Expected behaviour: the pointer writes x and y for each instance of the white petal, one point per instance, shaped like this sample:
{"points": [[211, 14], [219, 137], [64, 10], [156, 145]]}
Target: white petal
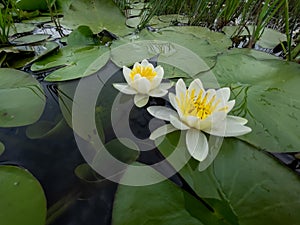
{"points": [[230, 105], [232, 126], [158, 92], [159, 70], [136, 64], [163, 130], [156, 81], [140, 100], [173, 101], [141, 84], [161, 112], [175, 121], [192, 121], [197, 145], [180, 87], [126, 73], [165, 86], [224, 94], [196, 84], [145, 63], [124, 88], [237, 119], [210, 93]]}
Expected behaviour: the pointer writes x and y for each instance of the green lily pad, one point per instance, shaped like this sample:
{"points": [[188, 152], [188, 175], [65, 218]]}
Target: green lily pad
{"points": [[180, 207], [102, 14], [22, 28], [2, 148], [190, 49], [269, 39], [164, 21], [30, 39], [75, 60], [22, 198], [257, 188], [24, 55], [266, 93], [32, 5], [22, 99], [133, 22], [82, 35]]}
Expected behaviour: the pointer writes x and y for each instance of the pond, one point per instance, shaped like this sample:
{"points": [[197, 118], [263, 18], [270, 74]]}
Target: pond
{"points": [[163, 124]]}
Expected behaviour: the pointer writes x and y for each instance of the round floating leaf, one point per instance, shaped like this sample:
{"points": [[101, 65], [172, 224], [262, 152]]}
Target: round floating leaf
{"points": [[179, 206], [32, 5], [257, 188], [22, 99], [23, 28], [30, 39], [191, 50], [97, 16], [269, 39], [82, 35], [267, 94], [133, 22], [74, 60], [2, 148], [27, 54], [22, 198]]}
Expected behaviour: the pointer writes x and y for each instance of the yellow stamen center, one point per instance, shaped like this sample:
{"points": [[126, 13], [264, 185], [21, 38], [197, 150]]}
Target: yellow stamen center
{"points": [[198, 105], [147, 72]]}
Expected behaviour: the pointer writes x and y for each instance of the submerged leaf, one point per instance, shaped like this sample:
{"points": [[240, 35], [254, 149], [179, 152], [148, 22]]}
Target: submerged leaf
{"points": [[2, 148]]}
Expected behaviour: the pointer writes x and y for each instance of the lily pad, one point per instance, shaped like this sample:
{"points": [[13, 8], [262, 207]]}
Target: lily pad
{"points": [[24, 55], [30, 39], [22, 99], [250, 181], [180, 207], [32, 5], [101, 14], [174, 47], [82, 35], [266, 93], [22, 28], [133, 22], [22, 198], [269, 39], [75, 61]]}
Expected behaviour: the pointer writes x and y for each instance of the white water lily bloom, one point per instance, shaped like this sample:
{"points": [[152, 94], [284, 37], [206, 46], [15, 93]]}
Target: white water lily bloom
{"points": [[143, 81], [198, 111]]}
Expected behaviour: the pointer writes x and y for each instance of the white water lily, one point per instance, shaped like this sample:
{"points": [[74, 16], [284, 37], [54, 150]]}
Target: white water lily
{"points": [[198, 111], [143, 81]]}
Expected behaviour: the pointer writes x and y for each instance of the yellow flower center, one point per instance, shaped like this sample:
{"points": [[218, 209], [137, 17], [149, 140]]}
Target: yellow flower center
{"points": [[199, 106], [147, 72]]}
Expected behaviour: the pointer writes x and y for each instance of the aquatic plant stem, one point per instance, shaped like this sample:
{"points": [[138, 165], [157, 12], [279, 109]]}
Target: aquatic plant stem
{"points": [[58, 208]]}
